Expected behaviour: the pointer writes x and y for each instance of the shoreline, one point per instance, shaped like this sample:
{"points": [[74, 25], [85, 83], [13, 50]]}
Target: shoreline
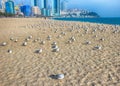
{"points": [[101, 20], [81, 21]]}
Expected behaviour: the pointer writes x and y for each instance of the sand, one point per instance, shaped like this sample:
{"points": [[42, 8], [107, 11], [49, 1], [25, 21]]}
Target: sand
{"points": [[81, 63]]}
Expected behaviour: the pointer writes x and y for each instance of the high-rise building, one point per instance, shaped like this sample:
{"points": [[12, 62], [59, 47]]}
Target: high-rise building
{"points": [[46, 4], [0, 6], [55, 7], [63, 5], [43, 4], [45, 12], [36, 2], [26, 9], [32, 3], [48, 12], [3, 5], [35, 10], [9, 7], [40, 3]]}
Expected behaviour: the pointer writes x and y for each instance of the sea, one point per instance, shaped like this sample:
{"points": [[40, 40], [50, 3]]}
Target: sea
{"points": [[112, 21]]}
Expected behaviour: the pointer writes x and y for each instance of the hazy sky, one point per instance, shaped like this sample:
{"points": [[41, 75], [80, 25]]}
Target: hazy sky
{"points": [[105, 8]]}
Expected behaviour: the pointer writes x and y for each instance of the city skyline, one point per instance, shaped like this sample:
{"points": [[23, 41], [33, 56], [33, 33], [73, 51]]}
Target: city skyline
{"points": [[105, 8]]}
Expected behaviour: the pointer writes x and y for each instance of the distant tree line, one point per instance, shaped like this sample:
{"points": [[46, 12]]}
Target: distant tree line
{"points": [[6, 14]]}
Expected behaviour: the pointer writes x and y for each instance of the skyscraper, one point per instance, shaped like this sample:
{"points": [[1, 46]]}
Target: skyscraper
{"points": [[32, 2], [0, 6], [45, 4], [26, 9], [41, 4], [35, 7], [45, 11], [35, 10], [9, 7], [3, 5], [55, 7], [63, 5], [36, 2]]}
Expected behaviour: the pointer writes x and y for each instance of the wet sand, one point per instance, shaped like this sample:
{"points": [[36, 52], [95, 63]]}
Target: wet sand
{"points": [[82, 63]]}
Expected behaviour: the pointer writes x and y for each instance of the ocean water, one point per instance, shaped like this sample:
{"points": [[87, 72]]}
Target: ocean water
{"points": [[113, 21]]}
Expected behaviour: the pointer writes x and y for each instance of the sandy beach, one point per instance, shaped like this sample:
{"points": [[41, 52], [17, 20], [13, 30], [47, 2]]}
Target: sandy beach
{"points": [[88, 55]]}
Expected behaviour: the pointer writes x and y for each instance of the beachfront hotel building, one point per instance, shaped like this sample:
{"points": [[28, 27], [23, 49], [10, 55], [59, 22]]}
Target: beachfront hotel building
{"points": [[55, 7], [9, 7]]}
